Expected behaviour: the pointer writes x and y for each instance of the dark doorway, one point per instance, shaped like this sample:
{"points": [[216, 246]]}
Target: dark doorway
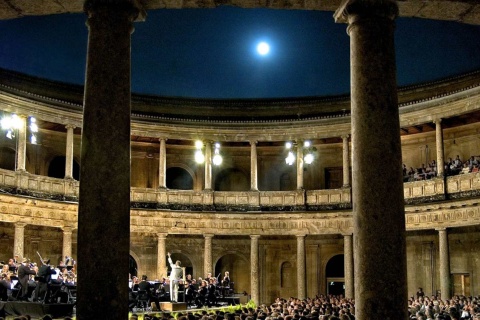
{"points": [[335, 273], [179, 179]]}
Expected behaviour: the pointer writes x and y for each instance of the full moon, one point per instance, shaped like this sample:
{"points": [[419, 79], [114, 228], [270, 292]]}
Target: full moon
{"points": [[263, 48]]}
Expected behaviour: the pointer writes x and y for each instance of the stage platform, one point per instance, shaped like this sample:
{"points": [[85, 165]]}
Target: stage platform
{"points": [[173, 306], [35, 309]]}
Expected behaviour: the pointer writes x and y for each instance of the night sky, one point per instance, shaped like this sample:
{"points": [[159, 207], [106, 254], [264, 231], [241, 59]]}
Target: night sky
{"points": [[211, 53]]}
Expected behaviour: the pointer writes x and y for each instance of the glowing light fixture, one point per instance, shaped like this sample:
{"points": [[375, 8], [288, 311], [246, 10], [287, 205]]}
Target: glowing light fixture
{"points": [[11, 123], [290, 159], [199, 156], [308, 151], [217, 157]]}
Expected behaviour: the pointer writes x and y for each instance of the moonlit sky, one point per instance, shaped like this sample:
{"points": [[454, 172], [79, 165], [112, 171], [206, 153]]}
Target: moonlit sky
{"points": [[211, 53]]}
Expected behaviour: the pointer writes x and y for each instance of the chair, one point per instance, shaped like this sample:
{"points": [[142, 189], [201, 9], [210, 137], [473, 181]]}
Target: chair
{"points": [[143, 300]]}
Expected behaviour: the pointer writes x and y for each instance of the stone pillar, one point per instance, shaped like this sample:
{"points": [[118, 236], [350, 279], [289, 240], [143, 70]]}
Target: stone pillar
{"points": [[301, 271], [208, 166], [19, 239], [300, 165], [444, 263], [378, 204], [254, 282], [22, 144], [104, 199], [207, 263], [162, 165], [439, 144], [346, 162], [69, 152], [162, 256], [253, 166], [348, 255], [67, 242]]}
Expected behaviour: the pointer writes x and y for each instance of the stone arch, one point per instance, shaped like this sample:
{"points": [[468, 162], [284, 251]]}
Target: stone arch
{"points": [[178, 178], [236, 264], [185, 259], [232, 179], [56, 167], [7, 158], [335, 274], [137, 260]]}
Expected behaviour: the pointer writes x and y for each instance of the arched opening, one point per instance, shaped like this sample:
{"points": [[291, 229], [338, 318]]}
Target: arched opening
{"points": [[287, 182], [286, 275], [238, 269], [185, 263], [56, 169], [335, 273], [7, 158], [132, 266], [179, 178], [231, 179]]}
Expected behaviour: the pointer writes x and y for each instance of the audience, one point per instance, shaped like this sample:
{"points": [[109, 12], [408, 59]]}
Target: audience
{"points": [[452, 167]]}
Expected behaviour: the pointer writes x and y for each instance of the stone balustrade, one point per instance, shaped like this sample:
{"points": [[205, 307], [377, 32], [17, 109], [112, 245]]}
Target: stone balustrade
{"points": [[424, 191]]}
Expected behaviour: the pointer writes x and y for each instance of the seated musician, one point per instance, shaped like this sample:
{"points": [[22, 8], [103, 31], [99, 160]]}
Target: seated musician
{"points": [[144, 285], [202, 293], [5, 287], [190, 292]]}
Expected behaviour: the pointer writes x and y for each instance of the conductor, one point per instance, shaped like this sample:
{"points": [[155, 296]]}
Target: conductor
{"points": [[175, 276]]}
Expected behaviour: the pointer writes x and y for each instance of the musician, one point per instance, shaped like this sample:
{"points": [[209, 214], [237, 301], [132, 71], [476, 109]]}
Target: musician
{"points": [[212, 290], [12, 266], [5, 287], [202, 293], [175, 276], [226, 279], [24, 272], [144, 285], [190, 292], [44, 275]]}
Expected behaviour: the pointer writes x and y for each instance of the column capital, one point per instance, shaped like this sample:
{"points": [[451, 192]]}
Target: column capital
{"points": [[254, 236], [163, 138], [137, 11], [345, 136], [162, 236], [67, 229], [437, 121], [300, 235], [441, 229], [20, 224], [346, 234], [208, 235], [70, 126], [384, 9], [253, 142]]}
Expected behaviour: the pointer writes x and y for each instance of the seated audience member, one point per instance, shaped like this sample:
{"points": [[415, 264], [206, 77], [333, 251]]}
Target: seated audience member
{"points": [[465, 169]]}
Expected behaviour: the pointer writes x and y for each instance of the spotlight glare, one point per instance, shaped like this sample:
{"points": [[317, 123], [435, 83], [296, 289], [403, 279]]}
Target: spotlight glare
{"points": [[199, 157], [198, 144], [263, 48], [288, 145], [307, 143], [290, 159], [308, 158]]}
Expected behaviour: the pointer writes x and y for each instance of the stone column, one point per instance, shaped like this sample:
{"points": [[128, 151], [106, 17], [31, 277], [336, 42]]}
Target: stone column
{"points": [[253, 166], [162, 256], [22, 144], [67, 242], [444, 263], [348, 255], [254, 283], [69, 152], [301, 271], [162, 165], [104, 199], [207, 263], [346, 162], [208, 166], [19, 239], [378, 204], [300, 165], [439, 144]]}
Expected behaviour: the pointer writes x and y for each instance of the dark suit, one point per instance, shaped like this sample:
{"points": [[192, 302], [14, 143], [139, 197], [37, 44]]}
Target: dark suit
{"points": [[148, 287], [4, 288], [23, 274], [44, 276]]}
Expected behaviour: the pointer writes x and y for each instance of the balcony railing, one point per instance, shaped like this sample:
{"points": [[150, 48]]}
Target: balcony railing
{"points": [[26, 184]]}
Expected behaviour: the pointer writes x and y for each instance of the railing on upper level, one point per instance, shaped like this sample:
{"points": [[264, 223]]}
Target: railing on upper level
{"points": [[437, 189]]}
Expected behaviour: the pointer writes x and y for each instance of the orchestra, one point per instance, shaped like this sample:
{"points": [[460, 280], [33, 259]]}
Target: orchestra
{"points": [[23, 280]]}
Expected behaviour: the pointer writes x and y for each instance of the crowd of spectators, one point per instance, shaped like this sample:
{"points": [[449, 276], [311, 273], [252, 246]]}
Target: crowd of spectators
{"points": [[322, 307], [335, 308], [452, 167]]}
